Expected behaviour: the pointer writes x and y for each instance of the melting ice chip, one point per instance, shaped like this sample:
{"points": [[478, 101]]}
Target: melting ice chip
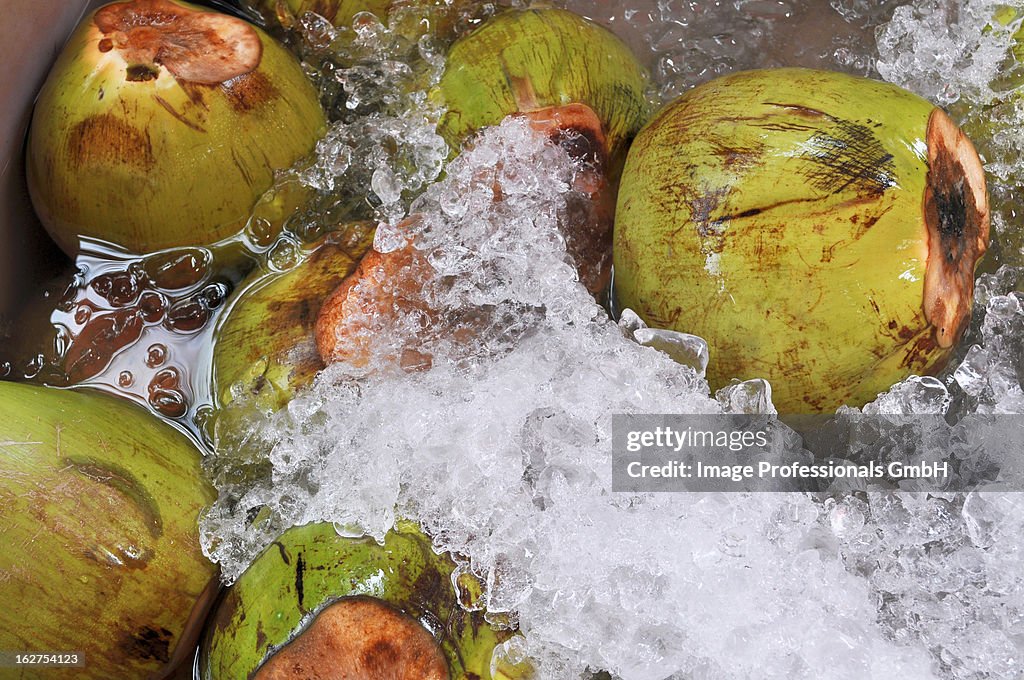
{"points": [[750, 396], [386, 185], [970, 375], [683, 348], [985, 516], [847, 516], [915, 395], [630, 322]]}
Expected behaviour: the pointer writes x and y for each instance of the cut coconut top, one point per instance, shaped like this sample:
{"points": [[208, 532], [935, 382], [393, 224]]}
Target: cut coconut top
{"points": [[574, 127], [194, 45], [359, 638], [956, 214]]}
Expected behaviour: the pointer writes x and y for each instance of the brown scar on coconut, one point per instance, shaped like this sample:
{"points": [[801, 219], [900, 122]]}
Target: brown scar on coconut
{"points": [[956, 214], [359, 638], [194, 46]]}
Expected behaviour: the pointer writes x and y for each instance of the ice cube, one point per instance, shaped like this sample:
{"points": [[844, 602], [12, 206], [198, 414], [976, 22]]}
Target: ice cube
{"points": [[683, 348], [749, 396], [630, 323]]}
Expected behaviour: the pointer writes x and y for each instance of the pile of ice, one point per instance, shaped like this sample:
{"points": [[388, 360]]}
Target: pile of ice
{"points": [[501, 448], [505, 458], [947, 569], [945, 50], [990, 375], [381, 148]]}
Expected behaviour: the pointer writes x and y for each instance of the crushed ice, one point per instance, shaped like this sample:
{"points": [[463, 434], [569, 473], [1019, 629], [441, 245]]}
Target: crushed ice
{"points": [[687, 42], [505, 458], [502, 450], [381, 148]]}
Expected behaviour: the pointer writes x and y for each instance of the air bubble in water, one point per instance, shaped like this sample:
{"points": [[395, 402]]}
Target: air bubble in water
{"points": [[156, 355]]}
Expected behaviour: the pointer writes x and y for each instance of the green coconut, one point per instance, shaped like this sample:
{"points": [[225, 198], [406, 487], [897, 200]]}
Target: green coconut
{"points": [[523, 61], [817, 229], [571, 80], [100, 553], [316, 605], [161, 124]]}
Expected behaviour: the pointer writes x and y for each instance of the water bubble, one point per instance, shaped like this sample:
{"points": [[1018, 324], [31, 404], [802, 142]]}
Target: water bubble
{"points": [[177, 269], [62, 339], [285, 255], [214, 295], [83, 314], [153, 306], [156, 355], [33, 366], [165, 394], [260, 231], [169, 403], [120, 289], [187, 316]]}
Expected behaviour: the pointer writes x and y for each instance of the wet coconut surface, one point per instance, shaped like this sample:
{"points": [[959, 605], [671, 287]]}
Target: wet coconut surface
{"points": [[143, 327]]}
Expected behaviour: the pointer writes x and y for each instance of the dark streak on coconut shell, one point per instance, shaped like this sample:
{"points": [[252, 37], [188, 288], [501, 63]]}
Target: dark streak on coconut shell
{"points": [[107, 139], [849, 156], [248, 92]]}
